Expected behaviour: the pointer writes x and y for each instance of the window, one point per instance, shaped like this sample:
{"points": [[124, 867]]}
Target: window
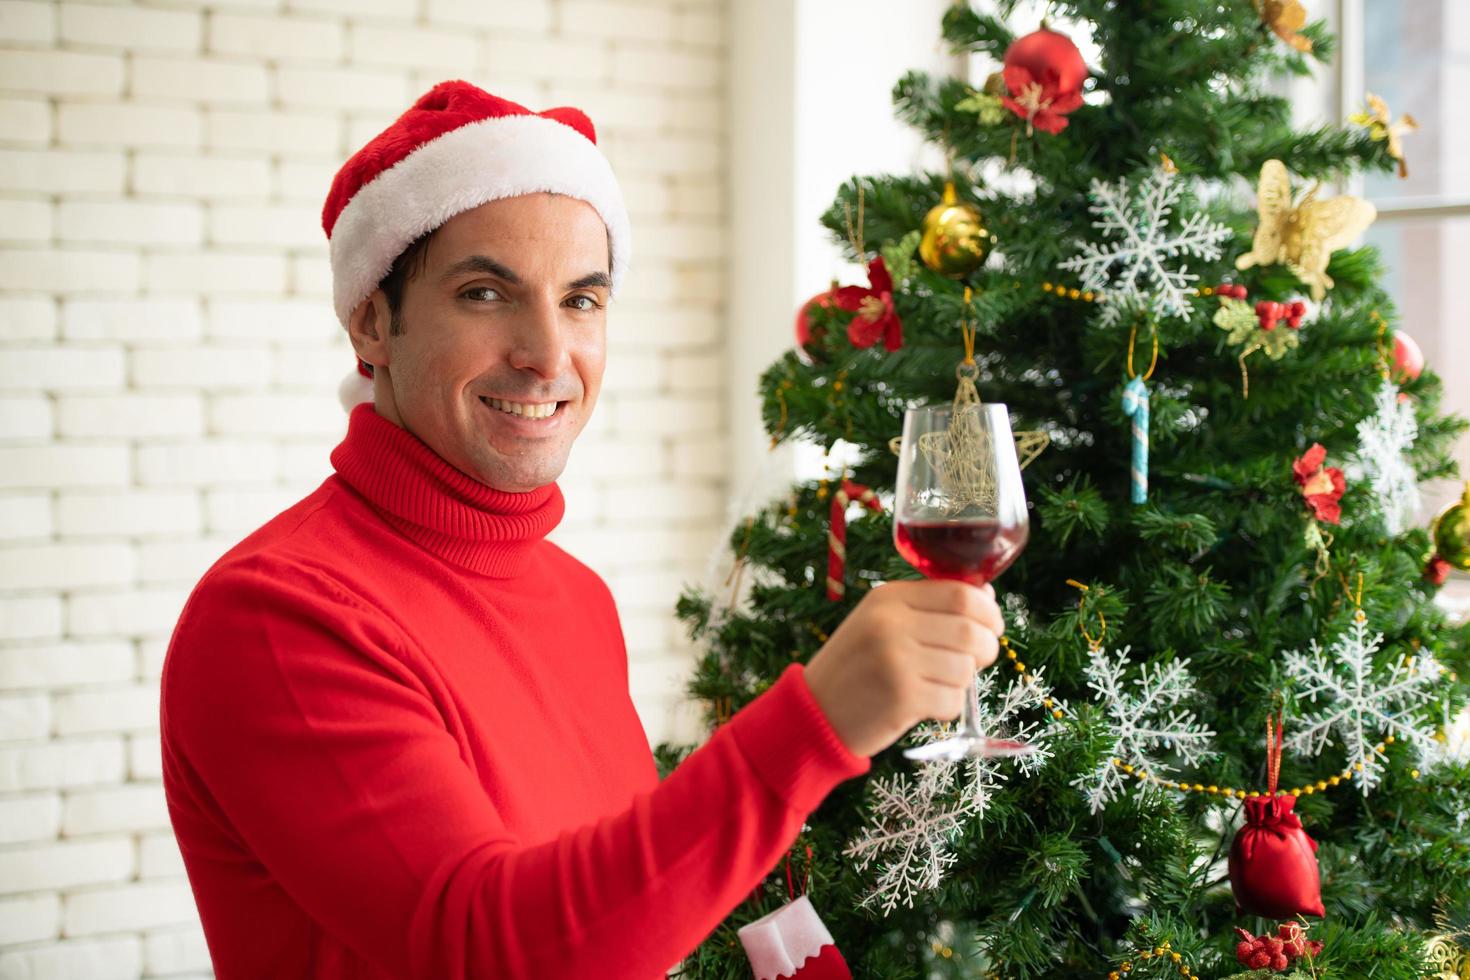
{"points": [[1415, 54]]}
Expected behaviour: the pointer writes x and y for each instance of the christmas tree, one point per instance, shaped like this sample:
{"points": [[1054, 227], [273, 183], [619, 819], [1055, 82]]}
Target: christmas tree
{"points": [[1222, 625]]}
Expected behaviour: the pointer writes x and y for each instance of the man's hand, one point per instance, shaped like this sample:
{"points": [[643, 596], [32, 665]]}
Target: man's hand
{"points": [[904, 655]]}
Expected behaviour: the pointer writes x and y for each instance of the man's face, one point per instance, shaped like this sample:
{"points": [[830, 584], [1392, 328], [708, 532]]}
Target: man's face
{"points": [[507, 315]]}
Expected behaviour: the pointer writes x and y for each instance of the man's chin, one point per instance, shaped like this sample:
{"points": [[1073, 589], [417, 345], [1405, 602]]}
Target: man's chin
{"points": [[517, 479]]}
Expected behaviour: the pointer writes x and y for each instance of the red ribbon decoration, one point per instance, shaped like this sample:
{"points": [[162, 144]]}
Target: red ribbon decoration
{"points": [[790, 890]]}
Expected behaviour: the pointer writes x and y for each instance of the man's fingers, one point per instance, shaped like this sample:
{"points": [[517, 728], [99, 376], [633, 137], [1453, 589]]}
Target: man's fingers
{"points": [[956, 599], [959, 634], [945, 668]]}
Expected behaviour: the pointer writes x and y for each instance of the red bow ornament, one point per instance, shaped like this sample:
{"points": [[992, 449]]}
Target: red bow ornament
{"points": [[1044, 73], [876, 316], [1322, 487]]}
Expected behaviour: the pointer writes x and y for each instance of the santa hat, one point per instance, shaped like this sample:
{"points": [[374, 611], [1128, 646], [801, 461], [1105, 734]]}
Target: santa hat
{"points": [[456, 148]]}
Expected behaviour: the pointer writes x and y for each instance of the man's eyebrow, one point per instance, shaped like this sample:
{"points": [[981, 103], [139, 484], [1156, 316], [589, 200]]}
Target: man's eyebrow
{"points": [[592, 279], [482, 263]]}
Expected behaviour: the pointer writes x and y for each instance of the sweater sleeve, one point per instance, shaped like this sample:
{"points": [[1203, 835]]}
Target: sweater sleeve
{"points": [[299, 711]]}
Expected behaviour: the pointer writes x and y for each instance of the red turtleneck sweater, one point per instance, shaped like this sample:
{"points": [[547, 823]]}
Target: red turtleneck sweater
{"points": [[397, 742]]}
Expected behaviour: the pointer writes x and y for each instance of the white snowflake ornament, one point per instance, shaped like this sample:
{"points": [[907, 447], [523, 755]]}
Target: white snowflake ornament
{"points": [[1362, 701], [1144, 717], [1384, 441], [917, 818], [1135, 267]]}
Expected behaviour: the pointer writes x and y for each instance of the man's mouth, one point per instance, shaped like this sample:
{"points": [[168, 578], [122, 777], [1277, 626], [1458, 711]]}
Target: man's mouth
{"points": [[528, 410]]}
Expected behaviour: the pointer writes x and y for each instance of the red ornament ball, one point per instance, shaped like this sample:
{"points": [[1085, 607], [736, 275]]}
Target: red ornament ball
{"points": [[808, 336], [1044, 73], [1408, 359]]}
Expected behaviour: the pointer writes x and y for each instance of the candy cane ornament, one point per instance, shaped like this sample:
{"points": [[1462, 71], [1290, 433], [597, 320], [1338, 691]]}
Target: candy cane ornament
{"points": [[837, 533], [1135, 407]]}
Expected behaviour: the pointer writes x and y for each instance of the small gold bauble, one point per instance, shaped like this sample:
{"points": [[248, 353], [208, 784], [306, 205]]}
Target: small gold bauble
{"points": [[1449, 960], [954, 240], [1451, 532]]}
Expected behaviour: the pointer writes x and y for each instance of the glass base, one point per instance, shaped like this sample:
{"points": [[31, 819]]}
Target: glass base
{"points": [[968, 746]]}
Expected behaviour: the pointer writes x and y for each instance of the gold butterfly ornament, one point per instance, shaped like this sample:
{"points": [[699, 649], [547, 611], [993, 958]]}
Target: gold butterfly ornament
{"points": [[1302, 236], [1285, 18], [1383, 127]]}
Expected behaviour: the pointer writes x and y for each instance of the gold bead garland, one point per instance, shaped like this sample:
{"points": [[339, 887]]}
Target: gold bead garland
{"points": [[1064, 292], [1308, 789], [946, 951], [1028, 679], [1088, 296]]}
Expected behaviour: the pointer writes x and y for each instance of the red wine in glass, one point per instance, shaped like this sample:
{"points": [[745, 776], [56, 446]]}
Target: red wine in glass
{"points": [[973, 551], [960, 513]]}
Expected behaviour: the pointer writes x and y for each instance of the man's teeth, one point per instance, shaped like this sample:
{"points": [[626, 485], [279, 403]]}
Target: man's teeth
{"points": [[525, 409]]}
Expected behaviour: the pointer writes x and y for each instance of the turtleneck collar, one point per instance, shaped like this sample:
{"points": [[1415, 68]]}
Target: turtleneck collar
{"points": [[437, 506]]}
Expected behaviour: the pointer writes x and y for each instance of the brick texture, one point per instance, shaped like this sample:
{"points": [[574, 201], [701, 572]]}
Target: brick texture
{"points": [[169, 362]]}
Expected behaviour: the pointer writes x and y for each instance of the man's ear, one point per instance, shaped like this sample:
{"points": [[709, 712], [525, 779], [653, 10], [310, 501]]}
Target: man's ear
{"points": [[367, 328]]}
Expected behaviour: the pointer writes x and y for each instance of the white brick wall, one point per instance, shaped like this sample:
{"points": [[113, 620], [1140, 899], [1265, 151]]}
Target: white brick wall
{"points": [[169, 361]]}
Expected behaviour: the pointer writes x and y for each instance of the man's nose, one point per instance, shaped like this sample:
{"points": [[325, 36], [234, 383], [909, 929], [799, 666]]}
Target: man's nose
{"points": [[538, 344]]}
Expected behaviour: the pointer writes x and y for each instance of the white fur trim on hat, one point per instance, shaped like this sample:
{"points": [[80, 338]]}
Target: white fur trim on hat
{"points": [[354, 389], [482, 161]]}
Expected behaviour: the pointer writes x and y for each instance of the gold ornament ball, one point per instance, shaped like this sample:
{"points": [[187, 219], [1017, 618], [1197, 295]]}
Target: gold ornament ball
{"points": [[1451, 962], [954, 239], [1452, 532]]}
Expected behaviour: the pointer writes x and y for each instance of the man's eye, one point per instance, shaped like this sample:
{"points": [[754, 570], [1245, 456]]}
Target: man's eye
{"points": [[470, 293], [584, 303]]}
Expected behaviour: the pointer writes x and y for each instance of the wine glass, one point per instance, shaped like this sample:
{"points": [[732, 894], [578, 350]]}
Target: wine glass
{"points": [[960, 513]]}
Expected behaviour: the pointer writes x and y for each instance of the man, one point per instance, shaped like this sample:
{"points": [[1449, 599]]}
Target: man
{"points": [[397, 738]]}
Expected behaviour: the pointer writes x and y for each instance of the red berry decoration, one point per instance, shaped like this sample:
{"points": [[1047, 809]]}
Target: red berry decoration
{"points": [[1294, 313], [1408, 359], [1231, 290], [1044, 73], [1276, 952], [1269, 313], [1436, 570]]}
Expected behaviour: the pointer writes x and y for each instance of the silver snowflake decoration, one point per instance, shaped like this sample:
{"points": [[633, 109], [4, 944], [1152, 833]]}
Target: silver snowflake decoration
{"points": [[1362, 700], [916, 817], [1384, 441], [1135, 266], [1145, 720]]}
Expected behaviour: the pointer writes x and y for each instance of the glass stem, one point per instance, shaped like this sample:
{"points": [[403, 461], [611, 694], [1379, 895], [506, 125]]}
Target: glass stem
{"points": [[968, 726]]}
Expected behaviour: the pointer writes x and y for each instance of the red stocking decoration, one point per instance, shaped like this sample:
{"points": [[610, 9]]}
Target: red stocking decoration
{"points": [[1273, 863], [792, 941]]}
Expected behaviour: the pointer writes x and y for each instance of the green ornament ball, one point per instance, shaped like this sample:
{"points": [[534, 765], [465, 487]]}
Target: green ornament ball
{"points": [[1452, 532]]}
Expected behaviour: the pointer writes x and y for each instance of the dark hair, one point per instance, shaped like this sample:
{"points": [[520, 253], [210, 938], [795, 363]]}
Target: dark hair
{"points": [[410, 262]]}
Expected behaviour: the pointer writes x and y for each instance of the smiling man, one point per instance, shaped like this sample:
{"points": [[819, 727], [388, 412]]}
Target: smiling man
{"points": [[397, 736]]}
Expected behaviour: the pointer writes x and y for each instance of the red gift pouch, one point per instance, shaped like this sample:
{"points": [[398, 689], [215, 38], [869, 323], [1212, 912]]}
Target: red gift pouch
{"points": [[1273, 863]]}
